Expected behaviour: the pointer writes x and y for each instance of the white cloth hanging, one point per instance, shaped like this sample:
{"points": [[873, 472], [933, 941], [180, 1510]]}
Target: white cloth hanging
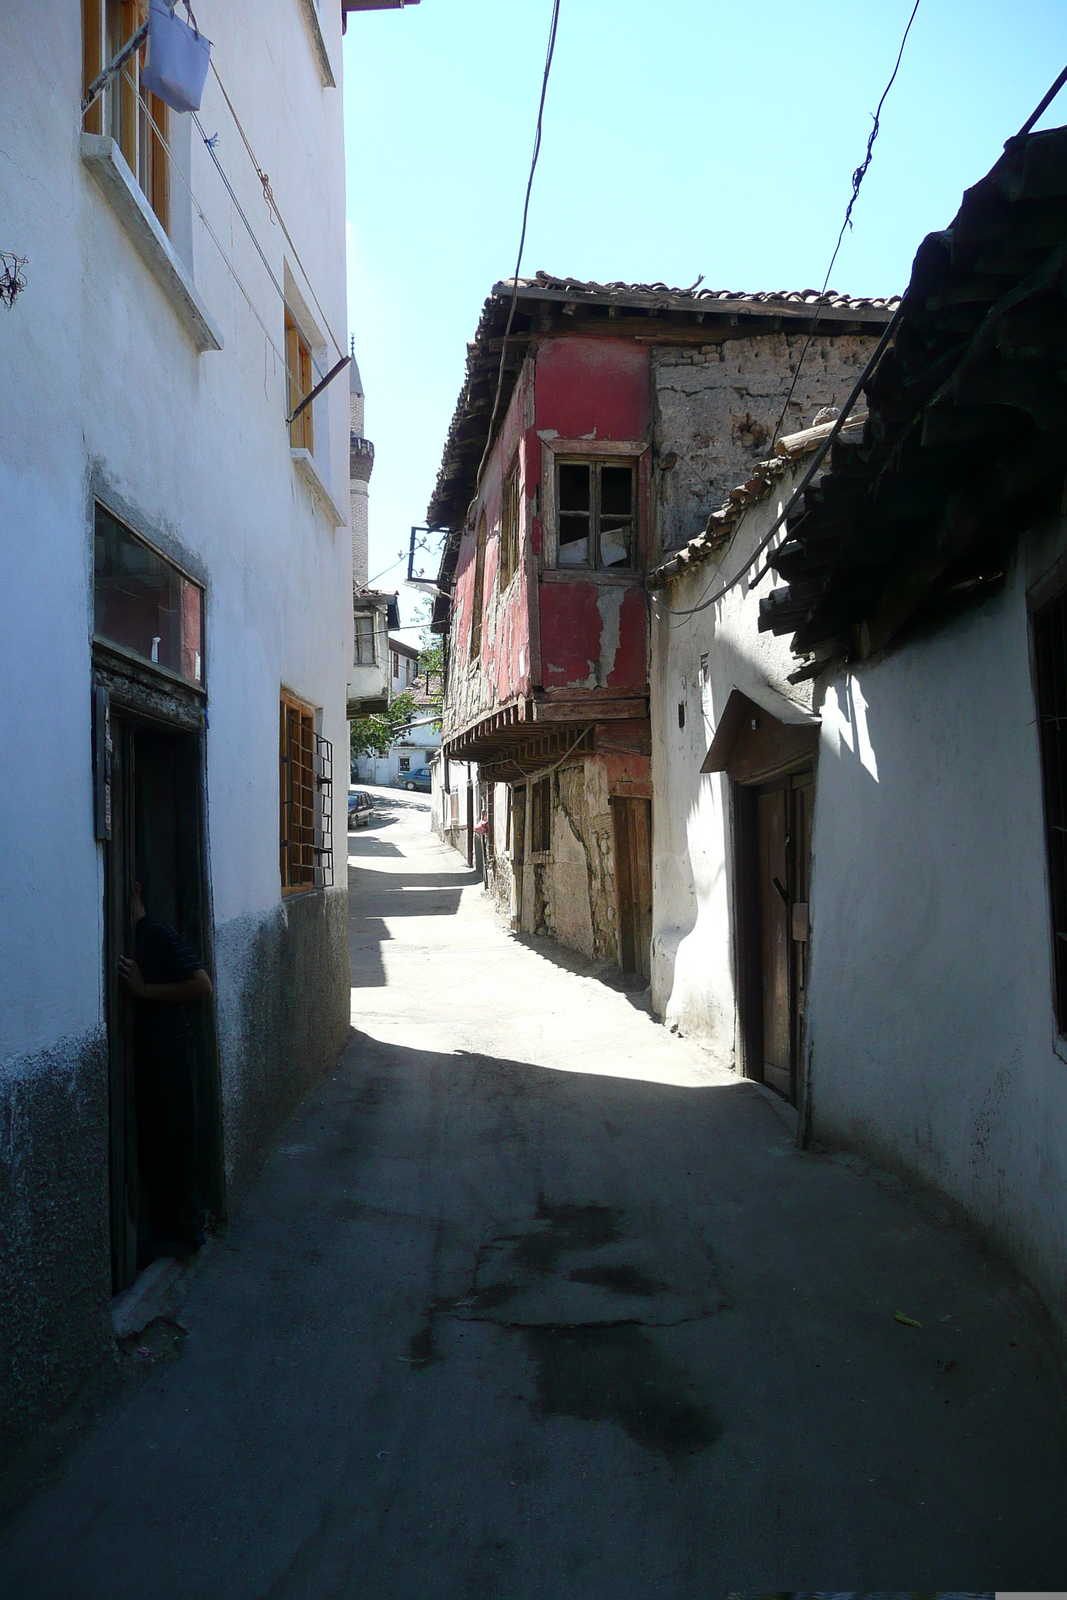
{"points": [[178, 57]]}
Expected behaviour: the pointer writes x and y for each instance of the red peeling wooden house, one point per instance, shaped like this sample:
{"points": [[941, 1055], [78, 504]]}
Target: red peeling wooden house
{"points": [[548, 498]]}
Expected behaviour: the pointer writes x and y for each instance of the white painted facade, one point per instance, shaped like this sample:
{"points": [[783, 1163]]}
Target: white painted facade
{"points": [[114, 399], [697, 662], [933, 1041], [931, 1044]]}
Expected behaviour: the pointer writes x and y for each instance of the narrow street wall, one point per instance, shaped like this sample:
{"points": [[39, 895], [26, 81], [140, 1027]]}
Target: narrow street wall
{"points": [[697, 663], [188, 447], [932, 1033]]}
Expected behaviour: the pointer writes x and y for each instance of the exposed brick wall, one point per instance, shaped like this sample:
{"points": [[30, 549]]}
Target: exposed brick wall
{"points": [[716, 407]]}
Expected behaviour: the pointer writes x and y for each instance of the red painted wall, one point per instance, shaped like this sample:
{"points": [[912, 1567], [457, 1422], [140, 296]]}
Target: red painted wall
{"points": [[598, 388], [556, 633]]}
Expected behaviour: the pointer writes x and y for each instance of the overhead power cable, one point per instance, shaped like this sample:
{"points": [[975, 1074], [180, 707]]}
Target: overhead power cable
{"points": [[522, 238], [857, 179], [198, 208], [268, 195], [783, 516]]}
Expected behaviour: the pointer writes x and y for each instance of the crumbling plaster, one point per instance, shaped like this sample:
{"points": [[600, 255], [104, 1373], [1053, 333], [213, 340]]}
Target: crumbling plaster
{"points": [[577, 882], [716, 408]]}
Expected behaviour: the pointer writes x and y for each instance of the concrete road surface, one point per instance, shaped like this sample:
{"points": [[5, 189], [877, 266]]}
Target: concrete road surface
{"points": [[529, 1301]]}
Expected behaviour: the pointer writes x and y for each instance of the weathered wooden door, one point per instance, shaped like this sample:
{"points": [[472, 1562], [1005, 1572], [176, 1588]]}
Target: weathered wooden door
{"points": [[118, 940], [773, 836], [633, 882]]}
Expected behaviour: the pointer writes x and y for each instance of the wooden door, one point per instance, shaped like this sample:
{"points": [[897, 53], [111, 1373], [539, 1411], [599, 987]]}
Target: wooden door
{"points": [[803, 794], [633, 882], [118, 940], [773, 845]]}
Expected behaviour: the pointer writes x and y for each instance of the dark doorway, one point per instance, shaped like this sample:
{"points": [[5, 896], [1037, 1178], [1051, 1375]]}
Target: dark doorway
{"points": [[773, 864], [632, 819], [157, 829]]}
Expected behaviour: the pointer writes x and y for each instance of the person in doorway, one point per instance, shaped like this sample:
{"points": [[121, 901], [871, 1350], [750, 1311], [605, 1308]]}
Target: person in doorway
{"points": [[164, 977]]}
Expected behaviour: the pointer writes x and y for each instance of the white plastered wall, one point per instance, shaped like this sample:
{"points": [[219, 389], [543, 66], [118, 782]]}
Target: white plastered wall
{"points": [[932, 1035], [112, 397], [692, 938]]}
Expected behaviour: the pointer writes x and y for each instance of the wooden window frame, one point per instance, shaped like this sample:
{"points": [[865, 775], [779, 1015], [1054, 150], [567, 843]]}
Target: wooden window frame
{"points": [[478, 591], [299, 382], [367, 638], [541, 816], [305, 800], [607, 452], [595, 465], [510, 524], [140, 127]]}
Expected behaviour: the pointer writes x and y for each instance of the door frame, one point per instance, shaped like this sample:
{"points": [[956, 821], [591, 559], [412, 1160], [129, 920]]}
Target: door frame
{"points": [[748, 920], [144, 698]]}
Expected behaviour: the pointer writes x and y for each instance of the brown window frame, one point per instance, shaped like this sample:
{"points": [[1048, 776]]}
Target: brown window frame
{"points": [[541, 815], [305, 799], [478, 594], [139, 125], [298, 385], [510, 507], [596, 465]]}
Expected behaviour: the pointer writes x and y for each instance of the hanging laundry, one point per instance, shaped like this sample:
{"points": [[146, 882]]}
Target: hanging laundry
{"points": [[178, 57]]}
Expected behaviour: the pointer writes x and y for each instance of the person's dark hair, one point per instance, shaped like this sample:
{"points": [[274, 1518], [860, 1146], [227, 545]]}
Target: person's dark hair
{"points": [[141, 877]]}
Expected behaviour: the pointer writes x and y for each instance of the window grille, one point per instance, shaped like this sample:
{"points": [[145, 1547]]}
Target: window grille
{"points": [[1050, 653], [306, 781]]}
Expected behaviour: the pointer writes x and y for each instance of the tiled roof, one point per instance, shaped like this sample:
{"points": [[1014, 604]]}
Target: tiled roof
{"points": [[721, 523], [660, 296], [964, 446], [623, 307]]}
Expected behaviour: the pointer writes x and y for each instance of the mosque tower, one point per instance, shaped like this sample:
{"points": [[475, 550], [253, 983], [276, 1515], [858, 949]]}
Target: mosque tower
{"points": [[361, 464]]}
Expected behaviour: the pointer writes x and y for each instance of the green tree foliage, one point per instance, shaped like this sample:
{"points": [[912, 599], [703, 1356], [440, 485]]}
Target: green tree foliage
{"points": [[372, 736]]}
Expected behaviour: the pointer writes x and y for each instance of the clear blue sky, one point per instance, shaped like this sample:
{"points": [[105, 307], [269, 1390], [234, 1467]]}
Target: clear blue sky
{"points": [[679, 139]]}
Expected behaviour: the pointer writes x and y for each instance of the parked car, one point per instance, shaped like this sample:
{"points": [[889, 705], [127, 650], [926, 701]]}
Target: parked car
{"points": [[360, 806], [419, 779]]}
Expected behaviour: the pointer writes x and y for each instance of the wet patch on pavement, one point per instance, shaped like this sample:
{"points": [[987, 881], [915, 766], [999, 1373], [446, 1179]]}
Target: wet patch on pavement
{"points": [[618, 1374], [622, 1279]]}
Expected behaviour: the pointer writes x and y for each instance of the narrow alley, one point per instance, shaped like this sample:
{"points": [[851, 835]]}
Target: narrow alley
{"points": [[529, 1300]]}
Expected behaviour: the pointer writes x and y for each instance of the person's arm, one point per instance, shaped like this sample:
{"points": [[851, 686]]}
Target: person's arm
{"points": [[196, 987]]}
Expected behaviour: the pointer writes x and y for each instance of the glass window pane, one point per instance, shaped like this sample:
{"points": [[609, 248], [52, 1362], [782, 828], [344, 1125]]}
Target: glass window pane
{"points": [[615, 546], [573, 486], [145, 605], [616, 491], [573, 541]]}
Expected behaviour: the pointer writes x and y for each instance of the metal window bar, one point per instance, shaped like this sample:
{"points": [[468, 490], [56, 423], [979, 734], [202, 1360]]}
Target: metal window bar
{"points": [[323, 846]]}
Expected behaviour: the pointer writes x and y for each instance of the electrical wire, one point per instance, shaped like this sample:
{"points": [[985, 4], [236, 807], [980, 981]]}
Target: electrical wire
{"points": [[268, 195], [857, 179], [813, 467], [209, 145], [522, 238], [211, 232]]}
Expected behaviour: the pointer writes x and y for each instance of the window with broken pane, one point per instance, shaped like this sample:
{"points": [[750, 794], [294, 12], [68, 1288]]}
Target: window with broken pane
{"points": [[596, 514], [144, 604]]}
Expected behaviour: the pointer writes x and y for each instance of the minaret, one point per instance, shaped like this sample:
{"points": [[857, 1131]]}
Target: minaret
{"points": [[361, 463]]}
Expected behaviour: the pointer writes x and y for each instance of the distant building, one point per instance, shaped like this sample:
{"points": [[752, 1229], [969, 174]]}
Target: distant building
{"points": [[626, 414], [374, 611]]}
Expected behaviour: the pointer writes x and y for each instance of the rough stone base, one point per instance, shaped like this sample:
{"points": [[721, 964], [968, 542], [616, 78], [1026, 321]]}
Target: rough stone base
{"points": [[55, 1266], [283, 1010]]}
